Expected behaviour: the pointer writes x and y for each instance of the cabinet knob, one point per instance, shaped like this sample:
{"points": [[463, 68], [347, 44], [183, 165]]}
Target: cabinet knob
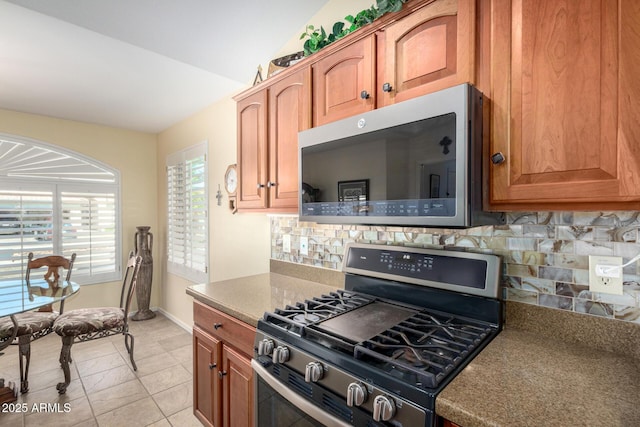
{"points": [[212, 365], [222, 374], [217, 325], [497, 158], [259, 186], [270, 184], [387, 87], [364, 94]]}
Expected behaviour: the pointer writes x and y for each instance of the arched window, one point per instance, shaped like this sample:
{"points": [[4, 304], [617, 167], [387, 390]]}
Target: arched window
{"points": [[57, 201]]}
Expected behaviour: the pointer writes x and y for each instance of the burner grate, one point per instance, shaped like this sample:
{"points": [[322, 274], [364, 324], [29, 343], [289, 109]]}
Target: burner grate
{"points": [[295, 318], [423, 349]]}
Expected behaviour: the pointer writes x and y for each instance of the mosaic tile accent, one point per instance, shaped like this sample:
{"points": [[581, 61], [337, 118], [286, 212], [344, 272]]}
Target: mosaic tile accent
{"points": [[545, 254]]}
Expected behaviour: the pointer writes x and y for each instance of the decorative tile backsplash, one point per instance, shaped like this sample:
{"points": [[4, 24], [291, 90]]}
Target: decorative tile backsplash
{"points": [[545, 254]]}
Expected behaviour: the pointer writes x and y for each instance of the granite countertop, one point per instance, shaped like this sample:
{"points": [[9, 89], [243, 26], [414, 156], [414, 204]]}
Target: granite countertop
{"points": [[248, 298], [526, 377]]}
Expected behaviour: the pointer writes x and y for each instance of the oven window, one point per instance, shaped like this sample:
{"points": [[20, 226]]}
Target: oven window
{"points": [[274, 410]]}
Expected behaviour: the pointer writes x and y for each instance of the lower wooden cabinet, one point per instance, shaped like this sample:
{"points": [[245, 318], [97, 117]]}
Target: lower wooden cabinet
{"points": [[447, 423], [222, 374], [237, 389], [206, 387]]}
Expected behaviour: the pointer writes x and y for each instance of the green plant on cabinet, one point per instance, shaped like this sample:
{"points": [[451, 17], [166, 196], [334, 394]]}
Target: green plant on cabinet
{"points": [[317, 38]]}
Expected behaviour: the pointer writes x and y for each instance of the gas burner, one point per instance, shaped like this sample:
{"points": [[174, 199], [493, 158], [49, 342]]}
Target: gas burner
{"points": [[306, 318], [296, 318], [424, 348]]}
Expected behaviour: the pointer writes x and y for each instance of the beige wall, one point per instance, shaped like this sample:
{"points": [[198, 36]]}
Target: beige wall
{"points": [[239, 244], [132, 153], [334, 11]]}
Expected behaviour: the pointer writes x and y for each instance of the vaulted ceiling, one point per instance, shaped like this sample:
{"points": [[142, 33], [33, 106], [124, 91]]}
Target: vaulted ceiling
{"points": [[137, 64]]}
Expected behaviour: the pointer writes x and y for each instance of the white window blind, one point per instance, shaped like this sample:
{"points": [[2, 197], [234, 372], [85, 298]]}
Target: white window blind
{"points": [[88, 229], [188, 225], [26, 223]]}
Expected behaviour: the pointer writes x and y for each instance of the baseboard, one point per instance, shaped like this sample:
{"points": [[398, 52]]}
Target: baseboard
{"points": [[174, 319]]}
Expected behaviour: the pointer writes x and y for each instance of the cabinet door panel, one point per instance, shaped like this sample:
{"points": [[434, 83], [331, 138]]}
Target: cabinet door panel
{"points": [[429, 50], [252, 151], [289, 113], [238, 389], [340, 78], [206, 386], [559, 120]]}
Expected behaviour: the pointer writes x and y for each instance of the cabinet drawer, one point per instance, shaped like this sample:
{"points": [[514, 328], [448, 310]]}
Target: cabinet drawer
{"points": [[224, 327]]}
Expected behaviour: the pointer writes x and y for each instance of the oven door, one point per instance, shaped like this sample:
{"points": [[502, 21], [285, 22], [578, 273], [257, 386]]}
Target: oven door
{"points": [[278, 405]]}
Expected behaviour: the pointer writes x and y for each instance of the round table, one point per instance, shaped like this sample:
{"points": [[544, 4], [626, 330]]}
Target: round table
{"points": [[16, 296]]}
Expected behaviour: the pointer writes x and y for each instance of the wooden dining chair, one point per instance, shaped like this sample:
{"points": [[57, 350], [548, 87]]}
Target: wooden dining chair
{"points": [[85, 324], [36, 324]]}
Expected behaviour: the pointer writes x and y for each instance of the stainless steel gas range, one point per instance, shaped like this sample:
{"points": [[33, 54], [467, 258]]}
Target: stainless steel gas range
{"points": [[378, 352]]}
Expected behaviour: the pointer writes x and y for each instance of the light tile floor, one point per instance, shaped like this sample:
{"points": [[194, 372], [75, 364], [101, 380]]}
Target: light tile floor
{"points": [[105, 390]]}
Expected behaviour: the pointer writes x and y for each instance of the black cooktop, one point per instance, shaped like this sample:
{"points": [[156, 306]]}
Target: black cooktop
{"points": [[418, 345]]}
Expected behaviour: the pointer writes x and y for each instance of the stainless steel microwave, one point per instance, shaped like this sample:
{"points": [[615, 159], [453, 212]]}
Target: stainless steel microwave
{"points": [[418, 162]]}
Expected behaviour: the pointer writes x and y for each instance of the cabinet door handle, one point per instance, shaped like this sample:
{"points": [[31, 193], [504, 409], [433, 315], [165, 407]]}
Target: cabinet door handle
{"points": [[217, 325], [259, 186], [270, 184], [497, 158], [364, 94], [387, 87], [222, 374], [212, 365]]}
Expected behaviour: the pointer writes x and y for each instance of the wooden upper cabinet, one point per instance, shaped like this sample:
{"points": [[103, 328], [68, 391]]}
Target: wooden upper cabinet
{"points": [[564, 103], [252, 151], [428, 50], [289, 113], [344, 82]]}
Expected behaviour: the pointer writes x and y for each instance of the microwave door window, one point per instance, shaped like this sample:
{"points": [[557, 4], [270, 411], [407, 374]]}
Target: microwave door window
{"points": [[405, 170]]}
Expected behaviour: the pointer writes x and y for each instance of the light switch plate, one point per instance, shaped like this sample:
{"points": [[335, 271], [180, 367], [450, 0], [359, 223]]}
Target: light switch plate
{"points": [[605, 274], [304, 245], [286, 243]]}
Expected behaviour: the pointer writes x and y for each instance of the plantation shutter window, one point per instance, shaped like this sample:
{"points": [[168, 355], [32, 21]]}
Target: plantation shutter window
{"points": [[54, 201], [188, 225], [88, 221]]}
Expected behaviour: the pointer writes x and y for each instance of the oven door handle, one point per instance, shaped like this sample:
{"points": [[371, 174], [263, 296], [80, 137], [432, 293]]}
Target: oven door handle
{"points": [[300, 402]]}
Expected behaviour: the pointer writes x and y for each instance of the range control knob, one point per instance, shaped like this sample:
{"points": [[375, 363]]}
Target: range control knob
{"points": [[280, 354], [265, 347], [356, 394], [313, 372], [383, 408]]}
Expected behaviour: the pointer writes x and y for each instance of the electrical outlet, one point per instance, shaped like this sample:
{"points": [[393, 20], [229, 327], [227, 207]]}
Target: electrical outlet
{"points": [[304, 245], [286, 243], [605, 274]]}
